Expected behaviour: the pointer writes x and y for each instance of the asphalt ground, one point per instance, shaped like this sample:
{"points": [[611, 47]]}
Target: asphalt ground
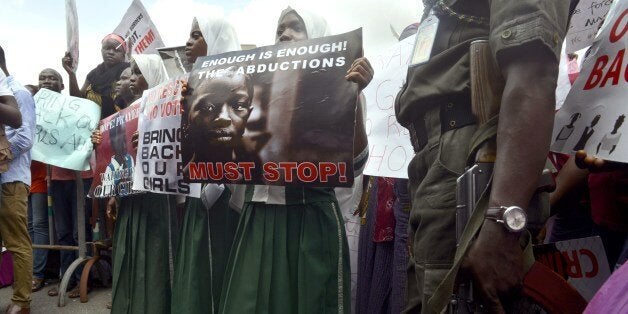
{"points": [[42, 303]]}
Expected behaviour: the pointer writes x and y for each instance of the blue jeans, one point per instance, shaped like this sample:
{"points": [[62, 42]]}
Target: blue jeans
{"points": [[400, 260], [38, 230], [65, 206]]}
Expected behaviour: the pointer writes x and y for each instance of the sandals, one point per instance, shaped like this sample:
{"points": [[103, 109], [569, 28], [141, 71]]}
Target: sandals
{"points": [[37, 284], [72, 294], [76, 292]]}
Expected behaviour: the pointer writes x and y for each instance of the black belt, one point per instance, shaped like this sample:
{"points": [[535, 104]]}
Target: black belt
{"points": [[453, 115]]}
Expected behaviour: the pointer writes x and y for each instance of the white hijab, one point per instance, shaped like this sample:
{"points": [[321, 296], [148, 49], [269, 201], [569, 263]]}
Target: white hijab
{"points": [[315, 25], [152, 68], [219, 35]]}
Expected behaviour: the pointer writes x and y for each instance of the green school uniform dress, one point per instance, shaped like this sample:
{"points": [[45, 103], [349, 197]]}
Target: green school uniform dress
{"points": [[290, 253], [141, 254], [201, 258]]}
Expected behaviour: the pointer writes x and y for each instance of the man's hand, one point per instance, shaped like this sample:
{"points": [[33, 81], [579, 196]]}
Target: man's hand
{"points": [[360, 72], [96, 137], [595, 164], [495, 263], [66, 62], [526, 119], [112, 208]]}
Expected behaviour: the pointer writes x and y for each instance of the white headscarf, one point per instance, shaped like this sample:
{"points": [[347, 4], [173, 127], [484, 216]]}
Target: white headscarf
{"points": [[219, 35], [152, 68], [315, 26]]}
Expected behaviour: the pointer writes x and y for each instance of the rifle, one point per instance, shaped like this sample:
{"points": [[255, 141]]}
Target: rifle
{"points": [[487, 87]]}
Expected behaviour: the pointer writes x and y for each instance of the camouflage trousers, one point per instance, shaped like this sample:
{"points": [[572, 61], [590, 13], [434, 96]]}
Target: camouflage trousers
{"points": [[432, 186]]}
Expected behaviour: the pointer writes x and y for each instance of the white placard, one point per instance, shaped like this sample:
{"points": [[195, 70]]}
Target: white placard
{"points": [[390, 150], [592, 117]]}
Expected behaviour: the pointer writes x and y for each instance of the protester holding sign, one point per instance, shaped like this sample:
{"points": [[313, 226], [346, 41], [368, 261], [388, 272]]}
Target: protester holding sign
{"points": [[291, 244], [37, 202], [206, 233], [123, 95], [142, 233], [98, 86], [63, 187], [210, 36], [147, 71]]}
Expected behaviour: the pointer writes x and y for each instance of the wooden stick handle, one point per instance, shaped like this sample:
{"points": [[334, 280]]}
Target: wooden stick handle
{"points": [[487, 87]]}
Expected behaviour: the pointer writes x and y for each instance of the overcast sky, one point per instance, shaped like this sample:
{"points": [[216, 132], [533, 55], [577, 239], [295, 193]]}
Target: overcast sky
{"points": [[32, 32]]}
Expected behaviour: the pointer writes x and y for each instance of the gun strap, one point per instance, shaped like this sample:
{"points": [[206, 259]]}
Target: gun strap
{"points": [[442, 295], [485, 132]]}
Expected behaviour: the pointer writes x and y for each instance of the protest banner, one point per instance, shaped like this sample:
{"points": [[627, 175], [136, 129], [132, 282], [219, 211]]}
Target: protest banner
{"points": [[138, 30], [594, 110], [582, 262], [64, 126], [160, 167], [585, 21], [72, 32], [113, 175], [276, 115], [390, 149], [175, 62]]}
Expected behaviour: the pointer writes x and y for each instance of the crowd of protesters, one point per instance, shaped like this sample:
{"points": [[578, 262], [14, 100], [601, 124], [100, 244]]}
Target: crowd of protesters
{"points": [[277, 253]]}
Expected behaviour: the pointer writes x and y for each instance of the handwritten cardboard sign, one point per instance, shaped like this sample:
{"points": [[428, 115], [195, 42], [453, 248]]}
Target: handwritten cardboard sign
{"points": [[64, 126], [390, 150], [585, 21]]}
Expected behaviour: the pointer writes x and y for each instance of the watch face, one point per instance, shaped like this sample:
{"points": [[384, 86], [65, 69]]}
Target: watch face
{"points": [[515, 218]]}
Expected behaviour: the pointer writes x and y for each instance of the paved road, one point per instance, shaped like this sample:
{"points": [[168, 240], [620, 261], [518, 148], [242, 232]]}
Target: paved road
{"points": [[42, 303]]}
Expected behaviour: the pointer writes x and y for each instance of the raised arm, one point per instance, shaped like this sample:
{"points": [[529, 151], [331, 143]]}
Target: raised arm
{"points": [[74, 89], [360, 72]]}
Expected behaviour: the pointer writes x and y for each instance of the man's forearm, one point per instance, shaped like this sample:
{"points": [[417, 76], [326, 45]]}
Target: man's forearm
{"points": [[74, 88], [525, 127], [9, 113]]}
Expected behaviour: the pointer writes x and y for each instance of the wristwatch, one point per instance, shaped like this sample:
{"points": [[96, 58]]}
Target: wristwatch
{"points": [[513, 218]]}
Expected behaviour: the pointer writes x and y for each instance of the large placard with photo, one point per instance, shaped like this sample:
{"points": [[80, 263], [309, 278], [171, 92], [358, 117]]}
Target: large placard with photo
{"points": [[275, 115]]}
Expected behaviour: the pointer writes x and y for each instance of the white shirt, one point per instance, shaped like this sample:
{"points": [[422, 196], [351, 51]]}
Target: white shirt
{"points": [[4, 86]]}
